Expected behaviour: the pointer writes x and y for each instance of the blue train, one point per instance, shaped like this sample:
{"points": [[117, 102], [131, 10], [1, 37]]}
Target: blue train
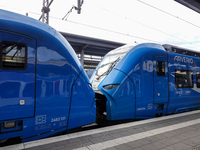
{"points": [[146, 81], [44, 88]]}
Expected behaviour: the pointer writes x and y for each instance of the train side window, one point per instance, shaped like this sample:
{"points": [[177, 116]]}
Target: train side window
{"points": [[198, 78], [160, 67], [13, 56], [184, 78]]}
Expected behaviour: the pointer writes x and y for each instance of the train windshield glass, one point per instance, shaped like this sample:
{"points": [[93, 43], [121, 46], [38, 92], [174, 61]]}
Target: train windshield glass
{"points": [[111, 59]]}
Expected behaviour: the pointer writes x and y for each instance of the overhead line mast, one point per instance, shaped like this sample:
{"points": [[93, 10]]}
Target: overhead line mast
{"points": [[78, 8], [45, 11]]}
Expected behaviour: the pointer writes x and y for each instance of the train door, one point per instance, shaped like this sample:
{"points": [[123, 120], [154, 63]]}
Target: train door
{"points": [[160, 80], [17, 76]]}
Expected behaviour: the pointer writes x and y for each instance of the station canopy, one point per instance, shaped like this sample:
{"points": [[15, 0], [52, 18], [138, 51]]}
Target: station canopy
{"points": [[192, 4], [90, 49]]}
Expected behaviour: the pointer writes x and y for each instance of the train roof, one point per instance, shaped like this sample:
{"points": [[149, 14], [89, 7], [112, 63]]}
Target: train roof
{"points": [[179, 50], [29, 27], [10, 21]]}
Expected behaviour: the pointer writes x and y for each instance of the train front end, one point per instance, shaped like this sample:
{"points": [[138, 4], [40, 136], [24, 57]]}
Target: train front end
{"points": [[131, 82], [44, 88], [112, 87]]}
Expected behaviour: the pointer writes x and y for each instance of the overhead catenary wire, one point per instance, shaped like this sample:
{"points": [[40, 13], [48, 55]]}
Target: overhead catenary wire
{"points": [[190, 23], [68, 13], [126, 34], [99, 28], [116, 32], [169, 14], [145, 25], [78, 8]]}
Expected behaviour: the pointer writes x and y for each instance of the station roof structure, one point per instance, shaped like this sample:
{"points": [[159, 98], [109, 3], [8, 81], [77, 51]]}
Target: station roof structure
{"points": [[92, 48], [192, 4]]}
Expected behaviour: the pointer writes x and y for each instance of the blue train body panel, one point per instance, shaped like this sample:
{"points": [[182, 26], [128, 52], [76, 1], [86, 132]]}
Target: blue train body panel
{"points": [[125, 92], [183, 98], [152, 80], [44, 88], [81, 93]]}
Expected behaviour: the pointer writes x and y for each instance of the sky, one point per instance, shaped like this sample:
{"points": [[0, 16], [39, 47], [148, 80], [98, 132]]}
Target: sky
{"points": [[127, 21]]}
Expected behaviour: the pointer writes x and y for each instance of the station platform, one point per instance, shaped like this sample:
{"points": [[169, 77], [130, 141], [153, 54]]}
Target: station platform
{"points": [[174, 132]]}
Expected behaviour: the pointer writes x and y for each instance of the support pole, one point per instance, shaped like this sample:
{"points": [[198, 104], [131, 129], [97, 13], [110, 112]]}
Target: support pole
{"points": [[82, 57], [79, 7], [45, 11]]}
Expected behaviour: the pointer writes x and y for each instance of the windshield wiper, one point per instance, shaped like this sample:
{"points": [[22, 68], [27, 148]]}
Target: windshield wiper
{"points": [[105, 65], [18, 49], [112, 65], [8, 49]]}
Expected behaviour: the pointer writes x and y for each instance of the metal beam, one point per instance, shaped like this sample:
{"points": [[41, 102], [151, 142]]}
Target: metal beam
{"points": [[192, 4], [82, 57], [45, 11], [78, 6], [84, 46], [91, 41]]}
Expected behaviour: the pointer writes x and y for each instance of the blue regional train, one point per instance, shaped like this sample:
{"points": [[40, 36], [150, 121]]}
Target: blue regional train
{"points": [[43, 87], [146, 81]]}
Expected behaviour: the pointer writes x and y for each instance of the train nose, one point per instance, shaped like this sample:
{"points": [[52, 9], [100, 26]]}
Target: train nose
{"points": [[119, 97]]}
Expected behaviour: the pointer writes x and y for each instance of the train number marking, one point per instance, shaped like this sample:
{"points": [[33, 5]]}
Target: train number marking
{"points": [[58, 119]]}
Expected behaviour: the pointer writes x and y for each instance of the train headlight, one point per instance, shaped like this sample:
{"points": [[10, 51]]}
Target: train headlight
{"points": [[110, 86], [8, 125]]}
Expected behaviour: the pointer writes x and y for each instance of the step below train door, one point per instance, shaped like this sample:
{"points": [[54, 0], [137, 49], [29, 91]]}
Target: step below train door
{"points": [[160, 85]]}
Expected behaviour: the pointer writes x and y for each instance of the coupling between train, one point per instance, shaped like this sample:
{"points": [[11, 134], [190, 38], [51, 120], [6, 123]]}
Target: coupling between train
{"points": [[45, 90]]}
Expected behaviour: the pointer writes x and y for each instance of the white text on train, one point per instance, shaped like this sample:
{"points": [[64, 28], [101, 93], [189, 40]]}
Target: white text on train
{"points": [[183, 59]]}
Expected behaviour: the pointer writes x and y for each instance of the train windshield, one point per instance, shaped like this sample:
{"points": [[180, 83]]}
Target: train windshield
{"points": [[111, 59]]}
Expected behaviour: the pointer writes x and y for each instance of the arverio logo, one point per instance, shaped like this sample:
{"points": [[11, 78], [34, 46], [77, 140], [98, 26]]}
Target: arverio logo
{"points": [[183, 59]]}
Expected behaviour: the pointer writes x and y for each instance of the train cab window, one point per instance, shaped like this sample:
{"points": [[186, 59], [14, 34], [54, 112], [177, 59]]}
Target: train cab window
{"points": [[198, 78], [13, 56], [160, 67], [184, 78]]}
